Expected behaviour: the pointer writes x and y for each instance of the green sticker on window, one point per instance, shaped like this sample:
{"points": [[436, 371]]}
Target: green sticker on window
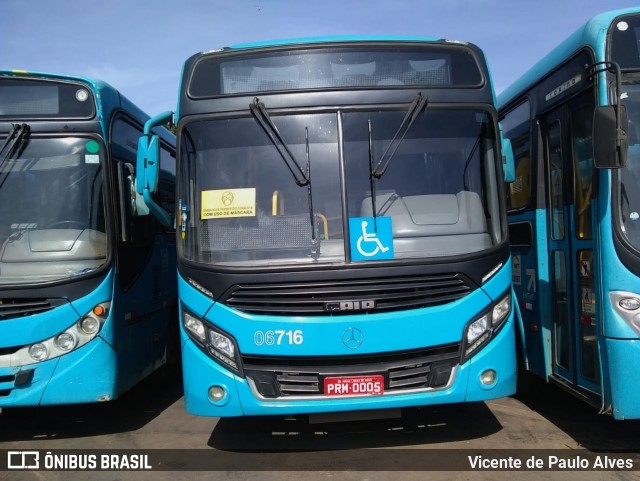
{"points": [[93, 147]]}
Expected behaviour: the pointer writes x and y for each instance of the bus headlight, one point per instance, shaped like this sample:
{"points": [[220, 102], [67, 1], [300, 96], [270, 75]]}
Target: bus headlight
{"points": [[222, 344], [69, 340], [90, 325], [627, 305], [477, 328], [217, 344], [501, 310], [65, 341], [38, 351], [194, 326], [482, 329]]}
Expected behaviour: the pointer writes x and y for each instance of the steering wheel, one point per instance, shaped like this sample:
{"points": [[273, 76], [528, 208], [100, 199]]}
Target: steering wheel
{"points": [[66, 224]]}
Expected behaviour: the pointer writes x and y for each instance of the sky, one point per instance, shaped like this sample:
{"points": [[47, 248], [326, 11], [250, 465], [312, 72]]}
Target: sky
{"points": [[139, 46]]}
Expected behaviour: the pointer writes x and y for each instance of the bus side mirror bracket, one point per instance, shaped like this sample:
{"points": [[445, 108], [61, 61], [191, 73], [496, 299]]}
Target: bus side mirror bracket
{"points": [[610, 140], [148, 167], [508, 162], [610, 122]]}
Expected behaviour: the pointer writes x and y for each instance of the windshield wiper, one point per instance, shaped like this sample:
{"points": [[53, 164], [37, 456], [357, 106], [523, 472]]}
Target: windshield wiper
{"points": [[418, 104], [314, 238], [372, 180], [13, 144], [13, 141], [260, 113], [375, 174]]}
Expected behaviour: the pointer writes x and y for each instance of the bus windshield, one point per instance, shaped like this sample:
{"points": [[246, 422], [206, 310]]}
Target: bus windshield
{"points": [[244, 208], [52, 219], [629, 176]]}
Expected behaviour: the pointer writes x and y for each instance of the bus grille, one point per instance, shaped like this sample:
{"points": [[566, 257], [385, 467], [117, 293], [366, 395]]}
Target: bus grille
{"points": [[22, 378], [12, 308], [300, 377], [313, 298]]}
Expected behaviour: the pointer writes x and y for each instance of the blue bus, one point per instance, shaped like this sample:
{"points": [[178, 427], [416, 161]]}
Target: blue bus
{"points": [[342, 235], [87, 276], [574, 123]]}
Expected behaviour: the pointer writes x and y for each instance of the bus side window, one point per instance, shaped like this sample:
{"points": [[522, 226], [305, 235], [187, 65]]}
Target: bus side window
{"points": [[167, 185], [136, 229], [516, 129]]}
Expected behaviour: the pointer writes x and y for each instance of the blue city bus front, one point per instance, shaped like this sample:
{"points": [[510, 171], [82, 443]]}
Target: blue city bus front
{"points": [[286, 360], [341, 228], [71, 331]]}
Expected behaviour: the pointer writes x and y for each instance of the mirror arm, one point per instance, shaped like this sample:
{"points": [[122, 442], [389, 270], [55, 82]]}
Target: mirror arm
{"points": [[147, 174], [158, 212], [160, 119]]}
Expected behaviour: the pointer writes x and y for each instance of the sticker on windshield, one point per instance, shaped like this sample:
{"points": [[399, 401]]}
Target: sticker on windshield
{"points": [[92, 147], [224, 203], [91, 159], [371, 239]]}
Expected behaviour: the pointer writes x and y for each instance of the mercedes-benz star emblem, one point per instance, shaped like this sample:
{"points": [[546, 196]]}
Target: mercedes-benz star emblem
{"points": [[352, 337]]}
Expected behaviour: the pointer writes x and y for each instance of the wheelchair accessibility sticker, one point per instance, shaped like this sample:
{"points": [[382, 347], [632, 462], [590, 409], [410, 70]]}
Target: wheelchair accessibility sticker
{"points": [[369, 243]]}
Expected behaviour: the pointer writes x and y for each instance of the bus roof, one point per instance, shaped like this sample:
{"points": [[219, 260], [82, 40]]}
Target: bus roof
{"points": [[593, 33], [337, 38]]}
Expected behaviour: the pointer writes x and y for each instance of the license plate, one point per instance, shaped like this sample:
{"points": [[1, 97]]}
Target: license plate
{"points": [[354, 385]]}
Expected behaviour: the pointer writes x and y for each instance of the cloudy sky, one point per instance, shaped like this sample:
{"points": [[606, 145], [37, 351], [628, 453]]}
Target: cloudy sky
{"points": [[139, 46]]}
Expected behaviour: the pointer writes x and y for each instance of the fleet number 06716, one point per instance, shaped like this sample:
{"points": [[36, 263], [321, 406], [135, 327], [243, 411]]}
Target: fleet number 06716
{"points": [[278, 337]]}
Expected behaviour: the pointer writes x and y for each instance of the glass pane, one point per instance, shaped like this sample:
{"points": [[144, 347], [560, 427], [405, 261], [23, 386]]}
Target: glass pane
{"points": [[590, 363], [554, 140], [340, 67], [629, 175], [560, 311], [440, 187], [581, 128], [29, 99], [516, 129], [243, 205], [625, 41], [52, 218]]}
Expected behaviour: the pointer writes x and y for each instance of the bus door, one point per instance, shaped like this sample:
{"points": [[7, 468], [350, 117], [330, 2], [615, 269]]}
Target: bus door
{"points": [[570, 194]]}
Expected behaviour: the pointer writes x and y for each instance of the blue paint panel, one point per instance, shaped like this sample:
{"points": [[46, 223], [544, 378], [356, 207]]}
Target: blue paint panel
{"points": [[85, 375], [328, 39], [200, 373], [38, 327], [323, 337], [21, 331], [616, 278], [532, 289], [29, 394], [82, 376], [499, 355], [497, 285], [593, 33], [384, 332], [624, 359], [196, 302], [103, 293]]}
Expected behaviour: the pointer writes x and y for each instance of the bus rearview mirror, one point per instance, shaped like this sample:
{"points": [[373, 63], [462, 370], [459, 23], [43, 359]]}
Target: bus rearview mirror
{"points": [[508, 162], [148, 164], [610, 140]]}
